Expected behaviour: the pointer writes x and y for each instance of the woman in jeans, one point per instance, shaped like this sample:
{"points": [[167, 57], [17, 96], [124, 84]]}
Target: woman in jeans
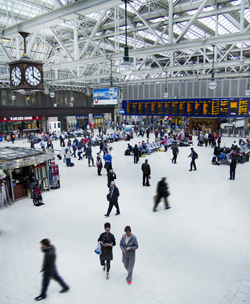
{"points": [[107, 241], [68, 158]]}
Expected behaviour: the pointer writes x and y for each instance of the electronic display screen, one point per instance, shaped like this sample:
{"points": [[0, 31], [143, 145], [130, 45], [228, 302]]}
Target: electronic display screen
{"points": [[198, 107], [183, 107], [129, 108], [243, 106], [154, 107], [147, 108], [175, 105], [167, 107], [207, 107], [135, 108], [233, 110], [160, 108], [190, 107], [141, 108], [215, 107], [224, 107]]}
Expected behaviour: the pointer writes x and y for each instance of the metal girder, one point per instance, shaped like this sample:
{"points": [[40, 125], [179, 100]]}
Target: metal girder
{"points": [[61, 44], [146, 23], [192, 19], [207, 42], [5, 52], [68, 12], [31, 43]]}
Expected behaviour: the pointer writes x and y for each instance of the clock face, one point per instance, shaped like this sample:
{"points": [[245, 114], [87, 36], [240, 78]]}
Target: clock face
{"points": [[16, 76], [32, 76]]}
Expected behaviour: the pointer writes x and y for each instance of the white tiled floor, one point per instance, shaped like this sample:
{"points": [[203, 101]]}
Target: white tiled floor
{"points": [[197, 252]]}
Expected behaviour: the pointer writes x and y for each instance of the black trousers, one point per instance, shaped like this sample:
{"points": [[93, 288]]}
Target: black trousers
{"points": [[99, 170], [174, 159], [46, 281], [158, 200], [111, 204], [232, 172], [145, 179], [192, 164], [107, 263], [136, 158]]}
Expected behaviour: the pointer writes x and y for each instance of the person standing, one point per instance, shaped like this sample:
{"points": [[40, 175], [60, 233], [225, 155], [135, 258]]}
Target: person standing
{"points": [[99, 164], [193, 156], [162, 191], [107, 241], [166, 143], [32, 181], [128, 245], [233, 162], [89, 155], [113, 199], [175, 152], [147, 131], [136, 154], [111, 177], [108, 162], [49, 269], [145, 167]]}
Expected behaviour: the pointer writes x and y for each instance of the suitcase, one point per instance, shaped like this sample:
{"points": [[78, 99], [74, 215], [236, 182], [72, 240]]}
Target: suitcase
{"points": [[59, 156]]}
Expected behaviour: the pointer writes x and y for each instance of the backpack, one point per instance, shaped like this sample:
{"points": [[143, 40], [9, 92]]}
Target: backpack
{"points": [[195, 155]]}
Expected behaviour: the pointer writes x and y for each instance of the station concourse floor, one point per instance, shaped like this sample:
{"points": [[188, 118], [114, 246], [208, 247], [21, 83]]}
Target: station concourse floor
{"points": [[197, 252]]}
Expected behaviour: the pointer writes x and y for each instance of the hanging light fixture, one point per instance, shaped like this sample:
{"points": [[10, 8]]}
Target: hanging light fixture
{"points": [[72, 97], [52, 93], [212, 84], [13, 97], [247, 92], [126, 66], [166, 86]]}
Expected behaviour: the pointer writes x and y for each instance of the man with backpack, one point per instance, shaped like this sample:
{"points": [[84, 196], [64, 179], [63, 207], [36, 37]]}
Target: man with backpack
{"points": [[193, 156]]}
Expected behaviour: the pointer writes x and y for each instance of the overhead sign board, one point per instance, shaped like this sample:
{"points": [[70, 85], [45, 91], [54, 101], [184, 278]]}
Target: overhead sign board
{"points": [[105, 97]]}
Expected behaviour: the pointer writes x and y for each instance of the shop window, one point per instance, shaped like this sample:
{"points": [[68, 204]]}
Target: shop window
{"points": [[61, 99]]}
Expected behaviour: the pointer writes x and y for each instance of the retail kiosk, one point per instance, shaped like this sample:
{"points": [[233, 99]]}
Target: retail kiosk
{"points": [[16, 162]]}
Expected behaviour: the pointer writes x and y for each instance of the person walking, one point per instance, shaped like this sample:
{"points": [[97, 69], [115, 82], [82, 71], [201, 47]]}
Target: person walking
{"points": [[233, 162], [145, 167], [79, 151], [112, 197], [108, 162], [107, 241], [136, 154], [49, 269], [162, 191], [111, 177], [128, 245], [99, 164], [193, 156], [175, 152], [89, 155]]}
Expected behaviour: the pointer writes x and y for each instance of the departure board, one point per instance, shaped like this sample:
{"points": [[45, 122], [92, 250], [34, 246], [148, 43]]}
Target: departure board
{"points": [[154, 107], [168, 108], [190, 107], [233, 109], [135, 108], [198, 107], [243, 106], [129, 108], [160, 108], [141, 108], [215, 107], [183, 107], [224, 107], [175, 105], [207, 107], [147, 108]]}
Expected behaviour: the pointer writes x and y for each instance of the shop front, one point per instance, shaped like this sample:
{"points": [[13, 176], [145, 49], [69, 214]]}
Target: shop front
{"points": [[8, 124], [98, 120], [82, 121]]}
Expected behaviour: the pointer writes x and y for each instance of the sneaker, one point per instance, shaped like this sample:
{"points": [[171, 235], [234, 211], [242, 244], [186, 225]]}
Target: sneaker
{"points": [[167, 207], [64, 290], [39, 298], [107, 277], [129, 282], [106, 215], [117, 213]]}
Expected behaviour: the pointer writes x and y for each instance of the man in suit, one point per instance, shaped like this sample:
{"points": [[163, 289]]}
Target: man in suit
{"points": [[113, 199], [111, 177], [175, 151], [145, 167], [162, 191], [193, 156]]}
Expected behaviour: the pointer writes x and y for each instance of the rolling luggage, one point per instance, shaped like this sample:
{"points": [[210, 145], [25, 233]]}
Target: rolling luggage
{"points": [[59, 156]]}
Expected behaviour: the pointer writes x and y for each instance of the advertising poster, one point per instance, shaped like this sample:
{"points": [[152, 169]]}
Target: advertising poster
{"points": [[105, 97]]}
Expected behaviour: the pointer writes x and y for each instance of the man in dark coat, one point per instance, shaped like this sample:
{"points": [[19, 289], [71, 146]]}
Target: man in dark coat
{"points": [[49, 269], [113, 199], [145, 167], [162, 191], [175, 152], [111, 177], [233, 162], [193, 156]]}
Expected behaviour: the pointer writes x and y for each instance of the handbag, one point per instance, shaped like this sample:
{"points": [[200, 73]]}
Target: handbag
{"points": [[108, 197], [98, 249]]}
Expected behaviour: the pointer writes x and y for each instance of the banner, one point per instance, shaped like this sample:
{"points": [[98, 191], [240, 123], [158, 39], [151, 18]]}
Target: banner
{"points": [[105, 97]]}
